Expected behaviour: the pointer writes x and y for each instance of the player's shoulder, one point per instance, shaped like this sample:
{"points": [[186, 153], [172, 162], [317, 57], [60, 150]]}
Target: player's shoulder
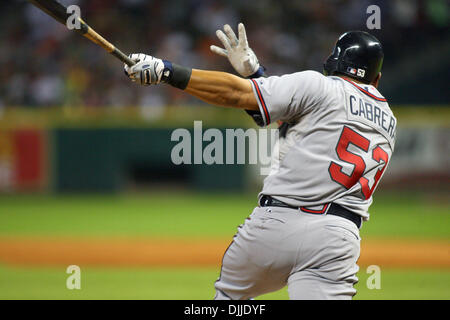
{"points": [[310, 74], [319, 81], [305, 76], [309, 81]]}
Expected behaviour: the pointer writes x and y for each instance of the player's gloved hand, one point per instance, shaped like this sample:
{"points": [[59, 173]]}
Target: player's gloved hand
{"points": [[148, 70], [240, 55]]}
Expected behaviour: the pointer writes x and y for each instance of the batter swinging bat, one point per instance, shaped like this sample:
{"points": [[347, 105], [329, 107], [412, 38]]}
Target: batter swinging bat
{"points": [[59, 12]]}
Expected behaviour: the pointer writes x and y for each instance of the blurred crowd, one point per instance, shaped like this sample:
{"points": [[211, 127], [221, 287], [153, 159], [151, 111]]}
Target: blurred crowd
{"points": [[42, 64]]}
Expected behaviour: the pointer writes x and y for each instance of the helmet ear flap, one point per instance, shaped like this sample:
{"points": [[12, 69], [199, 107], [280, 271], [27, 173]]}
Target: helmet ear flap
{"points": [[330, 66]]}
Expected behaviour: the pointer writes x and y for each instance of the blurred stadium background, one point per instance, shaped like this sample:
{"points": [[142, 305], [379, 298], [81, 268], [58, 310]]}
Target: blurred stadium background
{"points": [[85, 171]]}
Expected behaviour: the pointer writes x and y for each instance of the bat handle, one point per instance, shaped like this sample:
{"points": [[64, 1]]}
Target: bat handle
{"points": [[123, 57], [90, 33]]}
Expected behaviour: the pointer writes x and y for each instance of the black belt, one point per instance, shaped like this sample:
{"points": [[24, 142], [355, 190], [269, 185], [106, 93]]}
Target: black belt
{"points": [[334, 209]]}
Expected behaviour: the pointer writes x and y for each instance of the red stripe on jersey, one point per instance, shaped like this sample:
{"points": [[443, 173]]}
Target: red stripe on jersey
{"points": [[261, 100], [315, 211]]}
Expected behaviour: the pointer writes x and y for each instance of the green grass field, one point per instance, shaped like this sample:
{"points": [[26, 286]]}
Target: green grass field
{"points": [[193, 284], [157, 214], [183, 214]]}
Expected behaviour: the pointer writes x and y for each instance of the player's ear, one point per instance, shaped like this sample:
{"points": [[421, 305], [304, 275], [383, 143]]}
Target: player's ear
{"points": [[377, 80]]}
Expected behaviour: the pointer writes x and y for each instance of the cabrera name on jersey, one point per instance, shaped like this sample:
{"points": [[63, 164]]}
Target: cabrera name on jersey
{"points": [[371, 108]]}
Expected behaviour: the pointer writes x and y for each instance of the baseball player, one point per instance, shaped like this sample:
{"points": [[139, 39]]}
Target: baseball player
{"points": [[337, 138]]}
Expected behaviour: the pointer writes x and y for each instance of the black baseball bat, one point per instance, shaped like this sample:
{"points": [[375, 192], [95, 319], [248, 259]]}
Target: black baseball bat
{"points": [[59, 12]]}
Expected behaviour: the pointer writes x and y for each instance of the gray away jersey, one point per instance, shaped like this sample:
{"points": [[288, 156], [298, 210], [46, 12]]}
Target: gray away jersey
{"points": [[339, 142]]}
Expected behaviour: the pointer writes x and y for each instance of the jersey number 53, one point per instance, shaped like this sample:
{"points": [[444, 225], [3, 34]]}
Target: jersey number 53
{"points": [[348, 137]]}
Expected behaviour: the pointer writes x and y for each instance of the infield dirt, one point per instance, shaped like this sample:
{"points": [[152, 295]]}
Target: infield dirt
{"points": [[148, 252]]}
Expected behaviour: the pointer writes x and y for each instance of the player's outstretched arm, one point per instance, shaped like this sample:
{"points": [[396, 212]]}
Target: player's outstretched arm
{"points": [[223, 89], [217, 88]]}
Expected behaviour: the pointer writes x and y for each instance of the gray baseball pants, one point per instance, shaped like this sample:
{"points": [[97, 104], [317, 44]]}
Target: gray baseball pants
{"points": [[314, 255]]}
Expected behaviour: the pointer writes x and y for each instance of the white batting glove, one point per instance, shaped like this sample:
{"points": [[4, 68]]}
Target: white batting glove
{"points": [[147, 70], [240, 55]]}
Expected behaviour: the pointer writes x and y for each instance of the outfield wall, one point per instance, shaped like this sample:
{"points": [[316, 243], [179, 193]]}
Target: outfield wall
{"points": [[111, 159], [99, 150]]}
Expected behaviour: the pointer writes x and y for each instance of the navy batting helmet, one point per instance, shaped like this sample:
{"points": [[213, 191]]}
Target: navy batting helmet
{"points": [[356, 54]]}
